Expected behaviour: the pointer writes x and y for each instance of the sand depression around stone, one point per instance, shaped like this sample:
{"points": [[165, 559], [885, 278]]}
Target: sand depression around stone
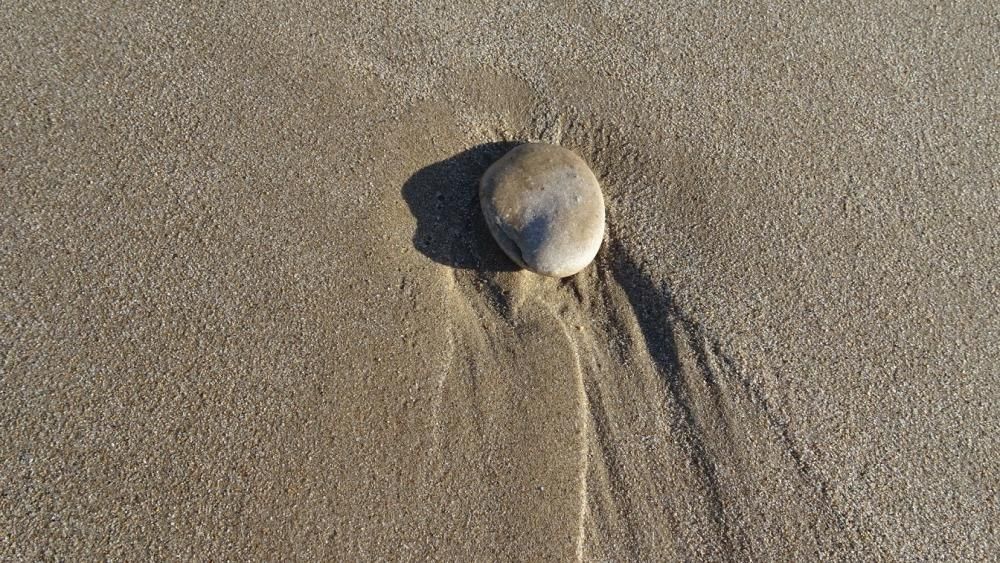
{"points": [[544, 207]]}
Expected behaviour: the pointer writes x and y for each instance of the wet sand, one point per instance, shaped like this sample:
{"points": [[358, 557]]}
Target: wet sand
{"points": [[250, 309]]}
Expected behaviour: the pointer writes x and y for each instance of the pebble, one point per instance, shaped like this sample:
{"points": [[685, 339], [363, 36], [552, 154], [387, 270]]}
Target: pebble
{"points": [[544, 207]]}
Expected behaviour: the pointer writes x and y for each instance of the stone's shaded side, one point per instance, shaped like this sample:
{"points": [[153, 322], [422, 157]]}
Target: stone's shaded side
{"points": [[545, 209]]}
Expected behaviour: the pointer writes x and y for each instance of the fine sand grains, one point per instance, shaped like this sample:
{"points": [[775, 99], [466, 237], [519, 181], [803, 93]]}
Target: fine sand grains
{"points": [[249, 307]]}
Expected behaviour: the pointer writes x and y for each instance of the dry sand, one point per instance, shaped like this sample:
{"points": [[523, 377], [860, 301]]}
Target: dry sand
{"points": [[250, 310]]}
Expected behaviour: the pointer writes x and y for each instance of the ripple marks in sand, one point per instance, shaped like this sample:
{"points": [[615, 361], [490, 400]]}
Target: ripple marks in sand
{"points": [[509, 421], [693, 460]]}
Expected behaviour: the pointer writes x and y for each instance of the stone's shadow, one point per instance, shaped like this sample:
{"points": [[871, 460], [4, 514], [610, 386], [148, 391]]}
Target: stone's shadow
{"points": [[444, 198]]}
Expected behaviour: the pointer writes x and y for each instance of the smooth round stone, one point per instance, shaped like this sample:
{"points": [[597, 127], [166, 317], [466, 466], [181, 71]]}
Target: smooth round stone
{"points": [[545, 209]]}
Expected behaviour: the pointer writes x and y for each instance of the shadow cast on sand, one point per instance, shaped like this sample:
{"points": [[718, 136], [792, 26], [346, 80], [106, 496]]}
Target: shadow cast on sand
{"points": [[444, 198], [708, 402]]}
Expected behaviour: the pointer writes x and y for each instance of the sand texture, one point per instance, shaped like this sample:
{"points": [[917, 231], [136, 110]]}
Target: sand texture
{"points": [[249, 307]]}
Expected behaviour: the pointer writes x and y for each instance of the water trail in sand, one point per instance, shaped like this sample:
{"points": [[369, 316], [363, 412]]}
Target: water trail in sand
{"points": [[584, 416]]}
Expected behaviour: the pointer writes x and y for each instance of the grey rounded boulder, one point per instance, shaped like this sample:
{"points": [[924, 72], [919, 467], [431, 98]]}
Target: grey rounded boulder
{"points": [[545, 209]]}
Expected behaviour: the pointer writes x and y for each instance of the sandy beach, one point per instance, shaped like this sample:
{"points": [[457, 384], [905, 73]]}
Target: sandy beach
{"points": [[250, 309]]}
